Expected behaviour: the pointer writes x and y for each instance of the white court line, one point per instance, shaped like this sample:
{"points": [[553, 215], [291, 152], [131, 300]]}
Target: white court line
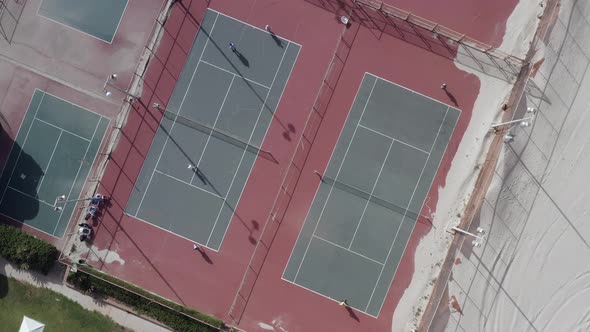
{"points": [[188, 184], [49, 163], [395, 139], [17, 133], [26, 137], [29, 196], [425, 198], [331, 155], [264, 139], [371, 193], [69, 102], [33, 227], [229, 72], [348, 249], [416, 92], [69, 132], [404, 217], [22, 146], [169, 231], [76, 178], [252, 26], [335, 178], [245, 150], [174, 121], [86, 33], [318, 188], [213, 126], [326, 296], [120, 20]]}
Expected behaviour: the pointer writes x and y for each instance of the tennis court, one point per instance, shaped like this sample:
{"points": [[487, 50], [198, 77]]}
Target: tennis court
{"points": [[370, 195], [99, 19], [52, 156], [212, 129]]}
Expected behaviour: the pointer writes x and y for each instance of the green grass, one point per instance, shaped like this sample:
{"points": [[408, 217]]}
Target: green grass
{"points": [[57, 312], [144, 302]]}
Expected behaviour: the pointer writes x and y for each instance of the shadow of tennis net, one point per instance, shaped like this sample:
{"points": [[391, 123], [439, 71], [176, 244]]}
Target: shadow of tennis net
{"points": [[226, 137], [369, 197]]}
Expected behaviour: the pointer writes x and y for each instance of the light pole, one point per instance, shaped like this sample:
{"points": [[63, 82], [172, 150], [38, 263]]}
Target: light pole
{"points": [[110, 82], [524, 122], [478, 238], [62, 200]]}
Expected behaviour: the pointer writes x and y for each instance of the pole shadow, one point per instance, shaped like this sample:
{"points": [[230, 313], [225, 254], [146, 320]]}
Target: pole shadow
{"points": [[352, 314], [451, 97], [275, 38], [205, 256]]}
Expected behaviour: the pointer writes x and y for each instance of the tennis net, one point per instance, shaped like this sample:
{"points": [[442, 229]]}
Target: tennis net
{"points": [[369, 197], [226, 137]]}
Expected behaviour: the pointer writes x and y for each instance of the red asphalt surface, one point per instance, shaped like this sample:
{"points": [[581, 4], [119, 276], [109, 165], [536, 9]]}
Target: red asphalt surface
{"points": [[166, 264], [482, 20]]}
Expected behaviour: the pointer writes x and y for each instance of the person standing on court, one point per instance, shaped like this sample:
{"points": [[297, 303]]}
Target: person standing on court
{"points": [[232, 47]]}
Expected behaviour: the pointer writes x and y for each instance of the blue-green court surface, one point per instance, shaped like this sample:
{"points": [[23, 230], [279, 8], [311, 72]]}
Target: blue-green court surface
{"points": [[52, 156], [97, 18], [214, 125], [370, 195]]}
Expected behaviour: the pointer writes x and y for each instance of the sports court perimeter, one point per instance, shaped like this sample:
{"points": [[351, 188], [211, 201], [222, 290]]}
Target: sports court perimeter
{"points": [[52, 156], [216, 120], [370, 195], [99, 19]]}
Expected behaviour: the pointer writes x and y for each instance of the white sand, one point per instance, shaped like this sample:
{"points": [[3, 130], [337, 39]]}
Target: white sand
{"points": [[496, 84]]}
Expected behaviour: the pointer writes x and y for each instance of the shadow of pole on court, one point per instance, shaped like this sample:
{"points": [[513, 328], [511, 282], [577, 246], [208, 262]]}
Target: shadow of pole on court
{"points": [[205, 256], [274, 37], [352, 314], [202, 177], [264, 105], [451, 97]]}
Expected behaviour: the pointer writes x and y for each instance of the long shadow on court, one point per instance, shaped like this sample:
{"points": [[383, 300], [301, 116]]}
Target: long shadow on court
{"points": [[202, 176], [27, 182], [286, 127], [119, 165]]}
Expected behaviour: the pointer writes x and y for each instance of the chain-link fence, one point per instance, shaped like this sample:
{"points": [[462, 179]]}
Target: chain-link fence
{"points": [[10, 13]]}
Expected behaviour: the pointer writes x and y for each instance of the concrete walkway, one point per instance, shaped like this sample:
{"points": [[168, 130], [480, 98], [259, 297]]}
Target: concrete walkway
{"points": [[54, 281]]}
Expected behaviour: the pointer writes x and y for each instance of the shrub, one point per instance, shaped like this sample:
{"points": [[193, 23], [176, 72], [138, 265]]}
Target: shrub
{"points": [[143, 302], [26, 251]]}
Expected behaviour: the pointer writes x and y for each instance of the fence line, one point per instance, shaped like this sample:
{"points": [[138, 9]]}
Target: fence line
{"points": [[392, 11], [10, 14], [293, 173], [517, 94]]}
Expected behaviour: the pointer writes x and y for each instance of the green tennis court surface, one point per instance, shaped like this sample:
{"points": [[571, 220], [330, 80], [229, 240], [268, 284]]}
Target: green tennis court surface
{"points": [[98, 18], [371, 194], [52, 156], [215, 122]]}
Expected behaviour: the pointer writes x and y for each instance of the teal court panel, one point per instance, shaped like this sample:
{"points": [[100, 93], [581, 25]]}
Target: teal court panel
{"points": [[98, 18], [51, 156], [217, 118], [369, 197]]}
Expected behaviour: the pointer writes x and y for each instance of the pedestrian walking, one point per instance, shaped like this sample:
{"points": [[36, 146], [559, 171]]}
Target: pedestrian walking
{"points": [[232, 47]]}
